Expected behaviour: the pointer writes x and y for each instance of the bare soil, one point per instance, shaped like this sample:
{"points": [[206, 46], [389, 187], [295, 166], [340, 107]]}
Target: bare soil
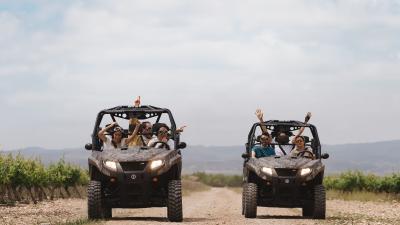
{"points": [[47, 212], [215, 206]]}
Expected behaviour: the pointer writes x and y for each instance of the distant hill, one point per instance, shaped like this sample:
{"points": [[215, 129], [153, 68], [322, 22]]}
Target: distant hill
{"points": [[379, 157]]}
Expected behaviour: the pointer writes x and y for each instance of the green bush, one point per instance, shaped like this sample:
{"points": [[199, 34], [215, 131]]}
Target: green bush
{"points": [[358, 181], [20, 172]]}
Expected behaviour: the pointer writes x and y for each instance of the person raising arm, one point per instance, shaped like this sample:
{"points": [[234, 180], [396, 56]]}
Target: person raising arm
{"points": [[307, 118]]}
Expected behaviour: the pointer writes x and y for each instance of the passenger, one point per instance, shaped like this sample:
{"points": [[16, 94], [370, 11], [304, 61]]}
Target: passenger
{"points": [[135, 127], [265, 149], [161, 140], [301, 149], [281, 136], [139, 138], [117, 141], [146, 133]]}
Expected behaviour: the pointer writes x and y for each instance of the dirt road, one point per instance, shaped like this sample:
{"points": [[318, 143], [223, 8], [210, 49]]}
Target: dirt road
{"points": [[223, 206], [216, 206]]}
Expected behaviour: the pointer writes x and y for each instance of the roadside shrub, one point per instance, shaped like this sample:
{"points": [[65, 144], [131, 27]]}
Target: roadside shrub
{"points": [[358, 181], [18, 173]]}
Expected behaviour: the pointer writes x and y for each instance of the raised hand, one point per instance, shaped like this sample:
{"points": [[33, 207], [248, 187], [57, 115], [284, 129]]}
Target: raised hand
{"points": [[259, 113], [180, 129], [136, 103], [308, 117]]}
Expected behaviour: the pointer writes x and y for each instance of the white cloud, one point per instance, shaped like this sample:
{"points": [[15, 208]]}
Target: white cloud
{"points": [[212, 62]]}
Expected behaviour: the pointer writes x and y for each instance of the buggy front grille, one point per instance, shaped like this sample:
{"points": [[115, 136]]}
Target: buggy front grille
{"points": [[283, 172], [133, 166]]}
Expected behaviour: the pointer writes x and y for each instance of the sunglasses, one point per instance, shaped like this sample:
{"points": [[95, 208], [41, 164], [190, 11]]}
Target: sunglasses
{"points": [[162, 132]]}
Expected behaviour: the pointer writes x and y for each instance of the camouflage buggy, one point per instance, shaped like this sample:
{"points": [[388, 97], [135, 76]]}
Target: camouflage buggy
{"points": [[284, 181], [135, 177]]}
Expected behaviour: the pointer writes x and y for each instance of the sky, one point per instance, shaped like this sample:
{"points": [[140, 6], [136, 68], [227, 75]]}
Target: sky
{"points": [[213, 63]]}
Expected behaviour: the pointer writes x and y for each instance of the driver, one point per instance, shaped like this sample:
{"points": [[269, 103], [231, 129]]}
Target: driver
{"points": [[265, 149], [161, 140], [146, 132], [300, 148]]}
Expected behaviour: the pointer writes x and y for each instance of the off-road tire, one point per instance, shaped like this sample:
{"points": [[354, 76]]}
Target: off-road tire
{"points": [[107, 212], [307, 210], [243, 193], [174, 203], [319, 204], [95, 210], [250, 200]]}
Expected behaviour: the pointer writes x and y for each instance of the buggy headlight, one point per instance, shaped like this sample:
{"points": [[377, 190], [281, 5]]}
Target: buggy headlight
{"points": [[305, 171], [267, 170], [111, 165], [156, 164]]}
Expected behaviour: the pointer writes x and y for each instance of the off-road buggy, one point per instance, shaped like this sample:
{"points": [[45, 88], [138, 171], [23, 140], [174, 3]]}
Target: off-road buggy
{"points": [[288, 181], [135, 177]]}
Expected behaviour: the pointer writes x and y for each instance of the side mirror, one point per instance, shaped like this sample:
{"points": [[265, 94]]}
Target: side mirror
{"points": [[325, 156], [181, 145], [245, 156], [89, 146]]}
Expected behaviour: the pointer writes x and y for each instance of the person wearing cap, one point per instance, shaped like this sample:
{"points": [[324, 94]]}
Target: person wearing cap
{"points": [[161, 140], [117, 141]]}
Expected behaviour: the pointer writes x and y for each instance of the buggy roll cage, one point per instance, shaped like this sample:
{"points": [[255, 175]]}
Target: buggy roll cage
{"points": [[128, 112], [293, 125]]}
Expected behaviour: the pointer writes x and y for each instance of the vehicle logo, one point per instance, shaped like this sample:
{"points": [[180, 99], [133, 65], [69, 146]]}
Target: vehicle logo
{"points": [[287, 181], [133, 176]]}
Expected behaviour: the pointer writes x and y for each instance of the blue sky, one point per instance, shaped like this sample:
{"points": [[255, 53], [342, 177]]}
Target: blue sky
{"points": [[213, 63]]}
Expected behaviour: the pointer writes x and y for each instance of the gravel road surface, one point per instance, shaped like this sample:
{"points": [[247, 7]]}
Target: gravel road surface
{"points": [[216, 206]]}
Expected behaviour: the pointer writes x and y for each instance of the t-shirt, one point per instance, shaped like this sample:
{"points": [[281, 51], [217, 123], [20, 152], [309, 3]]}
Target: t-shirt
{"points": [[108, 145], [145, 139], [261, 151], [286, 148], [160, 145]]}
